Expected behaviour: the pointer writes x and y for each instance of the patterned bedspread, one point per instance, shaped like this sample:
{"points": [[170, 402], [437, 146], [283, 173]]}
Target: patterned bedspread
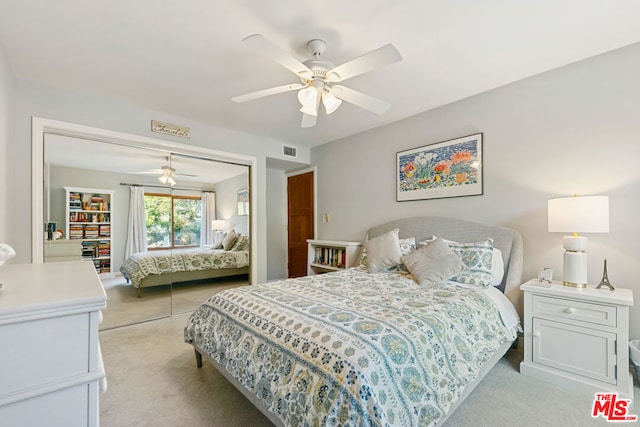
{"points": [[351, 348], [140, 265]]}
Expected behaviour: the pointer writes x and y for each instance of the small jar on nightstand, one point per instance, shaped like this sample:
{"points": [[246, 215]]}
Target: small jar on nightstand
{"points": [[577, 337]]}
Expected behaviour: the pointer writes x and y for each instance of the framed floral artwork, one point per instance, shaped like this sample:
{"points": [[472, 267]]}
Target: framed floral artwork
{"points": [[445, 169], [243, 202]]}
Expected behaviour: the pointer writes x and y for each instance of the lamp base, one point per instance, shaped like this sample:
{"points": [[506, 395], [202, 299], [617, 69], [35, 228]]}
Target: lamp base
{"points": [[574, 285], [575, 263]]}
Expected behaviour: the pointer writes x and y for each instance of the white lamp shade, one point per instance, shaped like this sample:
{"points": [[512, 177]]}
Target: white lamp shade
{"points": [[218, 224], [579, 214], [308, 97], [167, 179], [330, 102]]}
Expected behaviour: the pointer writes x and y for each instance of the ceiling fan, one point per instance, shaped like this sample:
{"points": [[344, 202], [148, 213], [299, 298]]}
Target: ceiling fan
{"points": [[318, 77], [166, 174]]}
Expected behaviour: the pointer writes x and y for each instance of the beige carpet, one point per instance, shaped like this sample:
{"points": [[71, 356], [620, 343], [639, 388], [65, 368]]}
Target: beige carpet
{"points": [[125, 308], [153, 381]]}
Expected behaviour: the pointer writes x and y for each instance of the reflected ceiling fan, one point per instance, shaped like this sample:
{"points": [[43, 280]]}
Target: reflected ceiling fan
{"points": [[166, 174], [318, 77]]}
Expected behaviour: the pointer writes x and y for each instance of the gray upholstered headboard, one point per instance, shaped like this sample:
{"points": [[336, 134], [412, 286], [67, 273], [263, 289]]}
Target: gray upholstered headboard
{"points": [[507, 240]]}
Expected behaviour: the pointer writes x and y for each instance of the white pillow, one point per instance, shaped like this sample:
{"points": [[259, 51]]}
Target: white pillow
{"points": [[383, 251], [497, 267], [229, 240]]}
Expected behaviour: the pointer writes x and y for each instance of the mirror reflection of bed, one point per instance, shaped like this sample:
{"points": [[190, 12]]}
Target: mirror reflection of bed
{"points": [[178, 219]]}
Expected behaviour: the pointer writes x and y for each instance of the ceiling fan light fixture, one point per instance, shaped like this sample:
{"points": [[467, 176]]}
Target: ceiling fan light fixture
{"points": [[317, 76], [308, 97], [330, 102], [166, 178]]}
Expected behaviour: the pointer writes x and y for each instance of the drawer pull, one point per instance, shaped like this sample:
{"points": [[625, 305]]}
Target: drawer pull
{"points": [[535, 334], [569, 310]]}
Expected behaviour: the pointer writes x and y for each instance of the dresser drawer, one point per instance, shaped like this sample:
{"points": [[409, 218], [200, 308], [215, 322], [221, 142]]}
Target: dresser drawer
{"points": [[558, 308], [43, 352]]}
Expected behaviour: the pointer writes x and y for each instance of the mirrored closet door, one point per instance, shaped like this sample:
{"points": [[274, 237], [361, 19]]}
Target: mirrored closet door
{"points": [[210, 248], [142, 216]]}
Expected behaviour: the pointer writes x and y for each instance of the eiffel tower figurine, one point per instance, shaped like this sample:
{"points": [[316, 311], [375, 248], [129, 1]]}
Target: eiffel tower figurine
{"points": [[605, 279]]}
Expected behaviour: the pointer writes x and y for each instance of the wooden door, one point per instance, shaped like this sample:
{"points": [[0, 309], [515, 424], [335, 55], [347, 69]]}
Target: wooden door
{"points": [[300, 200]]}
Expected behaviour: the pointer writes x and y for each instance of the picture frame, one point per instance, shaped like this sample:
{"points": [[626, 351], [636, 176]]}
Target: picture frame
{"points": [[450, 168], [243, 202]]}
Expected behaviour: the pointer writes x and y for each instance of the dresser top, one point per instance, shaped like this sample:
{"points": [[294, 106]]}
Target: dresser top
{"points": [[590, 293], [31, 290]]}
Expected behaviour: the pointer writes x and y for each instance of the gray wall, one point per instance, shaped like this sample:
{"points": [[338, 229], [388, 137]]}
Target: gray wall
{"points": [[32, 99], [571, 130], [227, 203], [6, 126], [277, 224]]}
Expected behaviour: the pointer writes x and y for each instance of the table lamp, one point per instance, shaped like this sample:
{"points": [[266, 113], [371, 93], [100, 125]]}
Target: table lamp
{"points": [[576, 214]]}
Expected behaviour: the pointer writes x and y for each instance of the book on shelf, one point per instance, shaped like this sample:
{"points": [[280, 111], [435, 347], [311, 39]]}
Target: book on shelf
{"points": [[76, 231], [91, 231], [104, 249], [105, 230], [333, 257], [104, 266]]}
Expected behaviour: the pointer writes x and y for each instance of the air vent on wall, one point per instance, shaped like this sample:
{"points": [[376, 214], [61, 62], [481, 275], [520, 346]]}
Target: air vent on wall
{"points": [[289, 151]]}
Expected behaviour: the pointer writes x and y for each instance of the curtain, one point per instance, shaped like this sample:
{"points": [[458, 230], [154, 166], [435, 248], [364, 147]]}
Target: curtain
{"points": [[137, 227], [207, 234]]}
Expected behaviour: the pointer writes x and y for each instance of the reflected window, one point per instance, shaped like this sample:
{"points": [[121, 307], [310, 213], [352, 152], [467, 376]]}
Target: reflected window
{"points": [[172, 221]]}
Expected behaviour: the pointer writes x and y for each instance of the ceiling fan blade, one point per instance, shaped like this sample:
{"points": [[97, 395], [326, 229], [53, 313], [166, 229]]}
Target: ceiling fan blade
{"points": [[354, 97], [257, 41], [185, 174], [266, 92], [380, 57], [149, 172], [308, 121]]}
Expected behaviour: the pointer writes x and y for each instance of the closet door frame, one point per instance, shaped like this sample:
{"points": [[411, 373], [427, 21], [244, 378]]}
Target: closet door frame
{"points": [[40, 126]]}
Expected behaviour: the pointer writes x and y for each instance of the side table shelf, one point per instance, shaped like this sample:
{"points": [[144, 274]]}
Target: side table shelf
{"points": [[332, 255]]}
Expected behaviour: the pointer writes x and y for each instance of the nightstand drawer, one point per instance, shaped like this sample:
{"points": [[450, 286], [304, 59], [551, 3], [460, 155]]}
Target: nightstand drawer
{"points": [[574, 310]]}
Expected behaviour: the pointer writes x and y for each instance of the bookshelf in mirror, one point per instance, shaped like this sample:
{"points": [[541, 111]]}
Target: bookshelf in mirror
{"points": [[332, 255], [88, 219]]}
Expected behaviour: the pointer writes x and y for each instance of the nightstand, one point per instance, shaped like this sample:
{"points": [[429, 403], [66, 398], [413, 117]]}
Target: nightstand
{"points": [[577, 337]]}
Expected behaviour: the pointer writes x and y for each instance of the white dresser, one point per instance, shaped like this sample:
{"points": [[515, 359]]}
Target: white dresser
{"points": [[578, 337], [50, 363], [62, 250]]}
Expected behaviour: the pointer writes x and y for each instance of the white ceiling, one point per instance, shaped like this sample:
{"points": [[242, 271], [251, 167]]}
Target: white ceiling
{"points": [[187, 58], [141, 163]]}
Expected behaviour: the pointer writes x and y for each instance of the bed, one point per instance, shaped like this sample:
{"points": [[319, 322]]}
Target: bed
{"points": [[360, 348], [163, 267]]}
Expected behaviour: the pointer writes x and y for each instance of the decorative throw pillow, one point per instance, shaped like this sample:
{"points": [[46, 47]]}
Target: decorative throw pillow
{"points": [[229, 240], [383, 251], [477, 258], [241, 244], [433, 263], [406, 246]]}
